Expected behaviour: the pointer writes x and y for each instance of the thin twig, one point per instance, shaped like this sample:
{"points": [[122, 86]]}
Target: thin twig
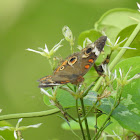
{"points": [[80, 123], [86, 122], [29, 115]]}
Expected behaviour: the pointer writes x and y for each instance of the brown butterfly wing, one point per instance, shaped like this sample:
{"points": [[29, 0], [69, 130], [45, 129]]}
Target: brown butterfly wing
{"points": [[75, 66]]}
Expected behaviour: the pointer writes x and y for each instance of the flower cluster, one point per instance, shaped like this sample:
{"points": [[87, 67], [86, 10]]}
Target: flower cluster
{"points": [[45, 52], [116, 45], [17, 129], [123, 80]]}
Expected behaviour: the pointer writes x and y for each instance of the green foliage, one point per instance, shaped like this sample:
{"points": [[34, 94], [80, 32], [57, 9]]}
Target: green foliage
{"points": [[115, 23], [125, 33], [7, 135], [91, 34], [115, 20], [120, 107], [75, 126]]}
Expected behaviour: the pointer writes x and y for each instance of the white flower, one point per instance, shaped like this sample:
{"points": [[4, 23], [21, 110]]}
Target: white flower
{"points": [[5, 127], [107, 72], [136, 76], [68, 35], [120, 73], [0, 110], [46, 52], [17, 128], [124, 79], [128, 48], [46, 93], [51, 97], [85, 43], [116, 45], [116, 135], [138, 6]]}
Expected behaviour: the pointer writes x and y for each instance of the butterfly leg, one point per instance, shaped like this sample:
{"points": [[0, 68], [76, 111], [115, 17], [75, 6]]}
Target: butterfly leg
{"points": [[99, 68]]}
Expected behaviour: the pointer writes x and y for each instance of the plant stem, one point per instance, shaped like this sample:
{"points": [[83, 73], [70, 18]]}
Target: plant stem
{"points": [[119, 55], [96, 121], [80, 123], [94, 105], [115, 105], [86, 122], [119, 98], [71, 49], [88, 88], [51, 64], [29, 115], [71, 117], [101, 128], [63, 111]]}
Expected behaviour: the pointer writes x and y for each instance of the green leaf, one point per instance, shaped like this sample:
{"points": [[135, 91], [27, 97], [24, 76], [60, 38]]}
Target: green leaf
{"points": [[6, 134], [113, 21], [125, 33], [46, 99], [91, 34], [64, 98], [128, 112], [113, 127], [75, 126], [68, 101]]}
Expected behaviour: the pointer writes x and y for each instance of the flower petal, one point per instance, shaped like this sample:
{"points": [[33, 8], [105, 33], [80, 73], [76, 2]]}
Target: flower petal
{"points": [[15, 134], [120, 72], [136, 76], [86, 42], [45, 92], [117, 41], [128, 72], [116, 135], [0, 110], [115, 74], [5, 127], [41, 49], [34, 51], [17, 125], [138, 5], [128, 48], [35, 125], [46, 49], [122, 41], [57, 46]]}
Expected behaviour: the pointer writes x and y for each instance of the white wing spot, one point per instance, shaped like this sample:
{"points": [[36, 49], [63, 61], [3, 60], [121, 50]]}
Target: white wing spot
{"points": [[96, 51]]}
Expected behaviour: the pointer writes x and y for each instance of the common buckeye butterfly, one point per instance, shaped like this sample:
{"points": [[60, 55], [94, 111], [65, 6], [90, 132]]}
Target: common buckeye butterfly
{"points": [[75, 66]]}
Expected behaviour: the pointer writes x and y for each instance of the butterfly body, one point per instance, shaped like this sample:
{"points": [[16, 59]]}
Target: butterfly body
{"points": [[75, 66]]}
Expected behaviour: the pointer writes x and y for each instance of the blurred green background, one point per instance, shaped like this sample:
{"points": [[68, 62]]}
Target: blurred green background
{"points": [[30, 24]]}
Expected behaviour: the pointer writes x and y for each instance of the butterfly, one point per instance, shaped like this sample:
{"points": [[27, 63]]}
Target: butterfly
{"points": [[75, 66]]}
